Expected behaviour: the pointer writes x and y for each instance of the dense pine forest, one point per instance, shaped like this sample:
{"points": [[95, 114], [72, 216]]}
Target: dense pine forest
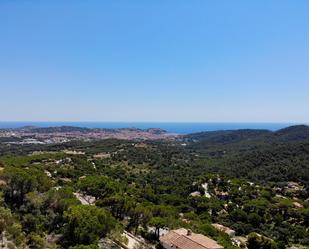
{"points": [[85, 194]]}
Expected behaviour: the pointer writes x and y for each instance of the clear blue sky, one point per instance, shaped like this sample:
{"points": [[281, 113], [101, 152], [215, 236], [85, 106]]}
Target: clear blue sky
{"points": [[161, 60]]}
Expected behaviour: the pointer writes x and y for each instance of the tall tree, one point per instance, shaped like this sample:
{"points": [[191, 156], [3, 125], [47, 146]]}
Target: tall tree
{"points": [[87, 224]]}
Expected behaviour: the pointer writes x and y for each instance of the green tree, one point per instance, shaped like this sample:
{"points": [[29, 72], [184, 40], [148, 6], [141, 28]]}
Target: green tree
{"points": [[239, 215], [15, 234], [21, 181], [254, 219], [84, 247], [158, 223], [97, 186], [86, 224], [139, 216], [35, 241], [120, 205], [258, 241], [6, 219]]}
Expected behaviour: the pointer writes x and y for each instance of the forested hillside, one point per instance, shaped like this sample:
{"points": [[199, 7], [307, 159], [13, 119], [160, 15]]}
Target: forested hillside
{"points": [[257, 155], [90, 194]]}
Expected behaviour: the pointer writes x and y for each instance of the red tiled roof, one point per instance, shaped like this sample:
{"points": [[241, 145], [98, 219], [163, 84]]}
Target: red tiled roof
{"points": [[180, 239]]}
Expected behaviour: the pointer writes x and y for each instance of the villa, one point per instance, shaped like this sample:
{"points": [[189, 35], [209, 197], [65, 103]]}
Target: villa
{"points": [[185, 239]]}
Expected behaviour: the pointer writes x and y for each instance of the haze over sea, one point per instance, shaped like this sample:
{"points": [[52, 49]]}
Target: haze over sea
{"points": [[171, 127]]}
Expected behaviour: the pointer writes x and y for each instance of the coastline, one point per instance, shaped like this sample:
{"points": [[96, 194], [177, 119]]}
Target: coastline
{"points": [[170, 127]]}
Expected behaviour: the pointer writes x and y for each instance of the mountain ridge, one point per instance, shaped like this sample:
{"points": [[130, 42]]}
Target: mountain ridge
{"points": [[291, 133]]}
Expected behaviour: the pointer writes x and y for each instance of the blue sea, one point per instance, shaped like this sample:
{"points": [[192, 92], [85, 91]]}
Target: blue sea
{"points": [[178, 128]]}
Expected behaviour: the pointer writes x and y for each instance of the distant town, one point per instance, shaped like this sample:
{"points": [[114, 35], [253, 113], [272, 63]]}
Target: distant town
{"points": [[63, 134]]}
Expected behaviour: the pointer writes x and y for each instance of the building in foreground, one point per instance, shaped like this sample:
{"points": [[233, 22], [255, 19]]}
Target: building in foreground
{"points": [[185, 239]]}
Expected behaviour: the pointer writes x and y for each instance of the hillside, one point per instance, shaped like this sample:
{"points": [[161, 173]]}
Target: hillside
{"points": [[247, 180], [289, 134], [292, 133], [281, 163], [256, 155]]}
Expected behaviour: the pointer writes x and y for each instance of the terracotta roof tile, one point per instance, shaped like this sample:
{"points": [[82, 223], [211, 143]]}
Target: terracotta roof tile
{"points": [[181, 240]]}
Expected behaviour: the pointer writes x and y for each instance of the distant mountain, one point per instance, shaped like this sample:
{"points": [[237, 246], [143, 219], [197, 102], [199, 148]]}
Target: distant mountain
{"points": [[55, 129], [291, 134], [228, 136], [156, 131]]}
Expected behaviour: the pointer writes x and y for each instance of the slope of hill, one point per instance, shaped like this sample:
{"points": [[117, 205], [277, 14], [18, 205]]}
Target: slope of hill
{"points": [[281, 163], [292, 133], [289, 134], [257, 155], [228, 136]]}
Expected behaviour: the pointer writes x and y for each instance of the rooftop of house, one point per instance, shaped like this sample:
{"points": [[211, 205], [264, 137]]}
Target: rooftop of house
{"points": [[185, 239]]}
